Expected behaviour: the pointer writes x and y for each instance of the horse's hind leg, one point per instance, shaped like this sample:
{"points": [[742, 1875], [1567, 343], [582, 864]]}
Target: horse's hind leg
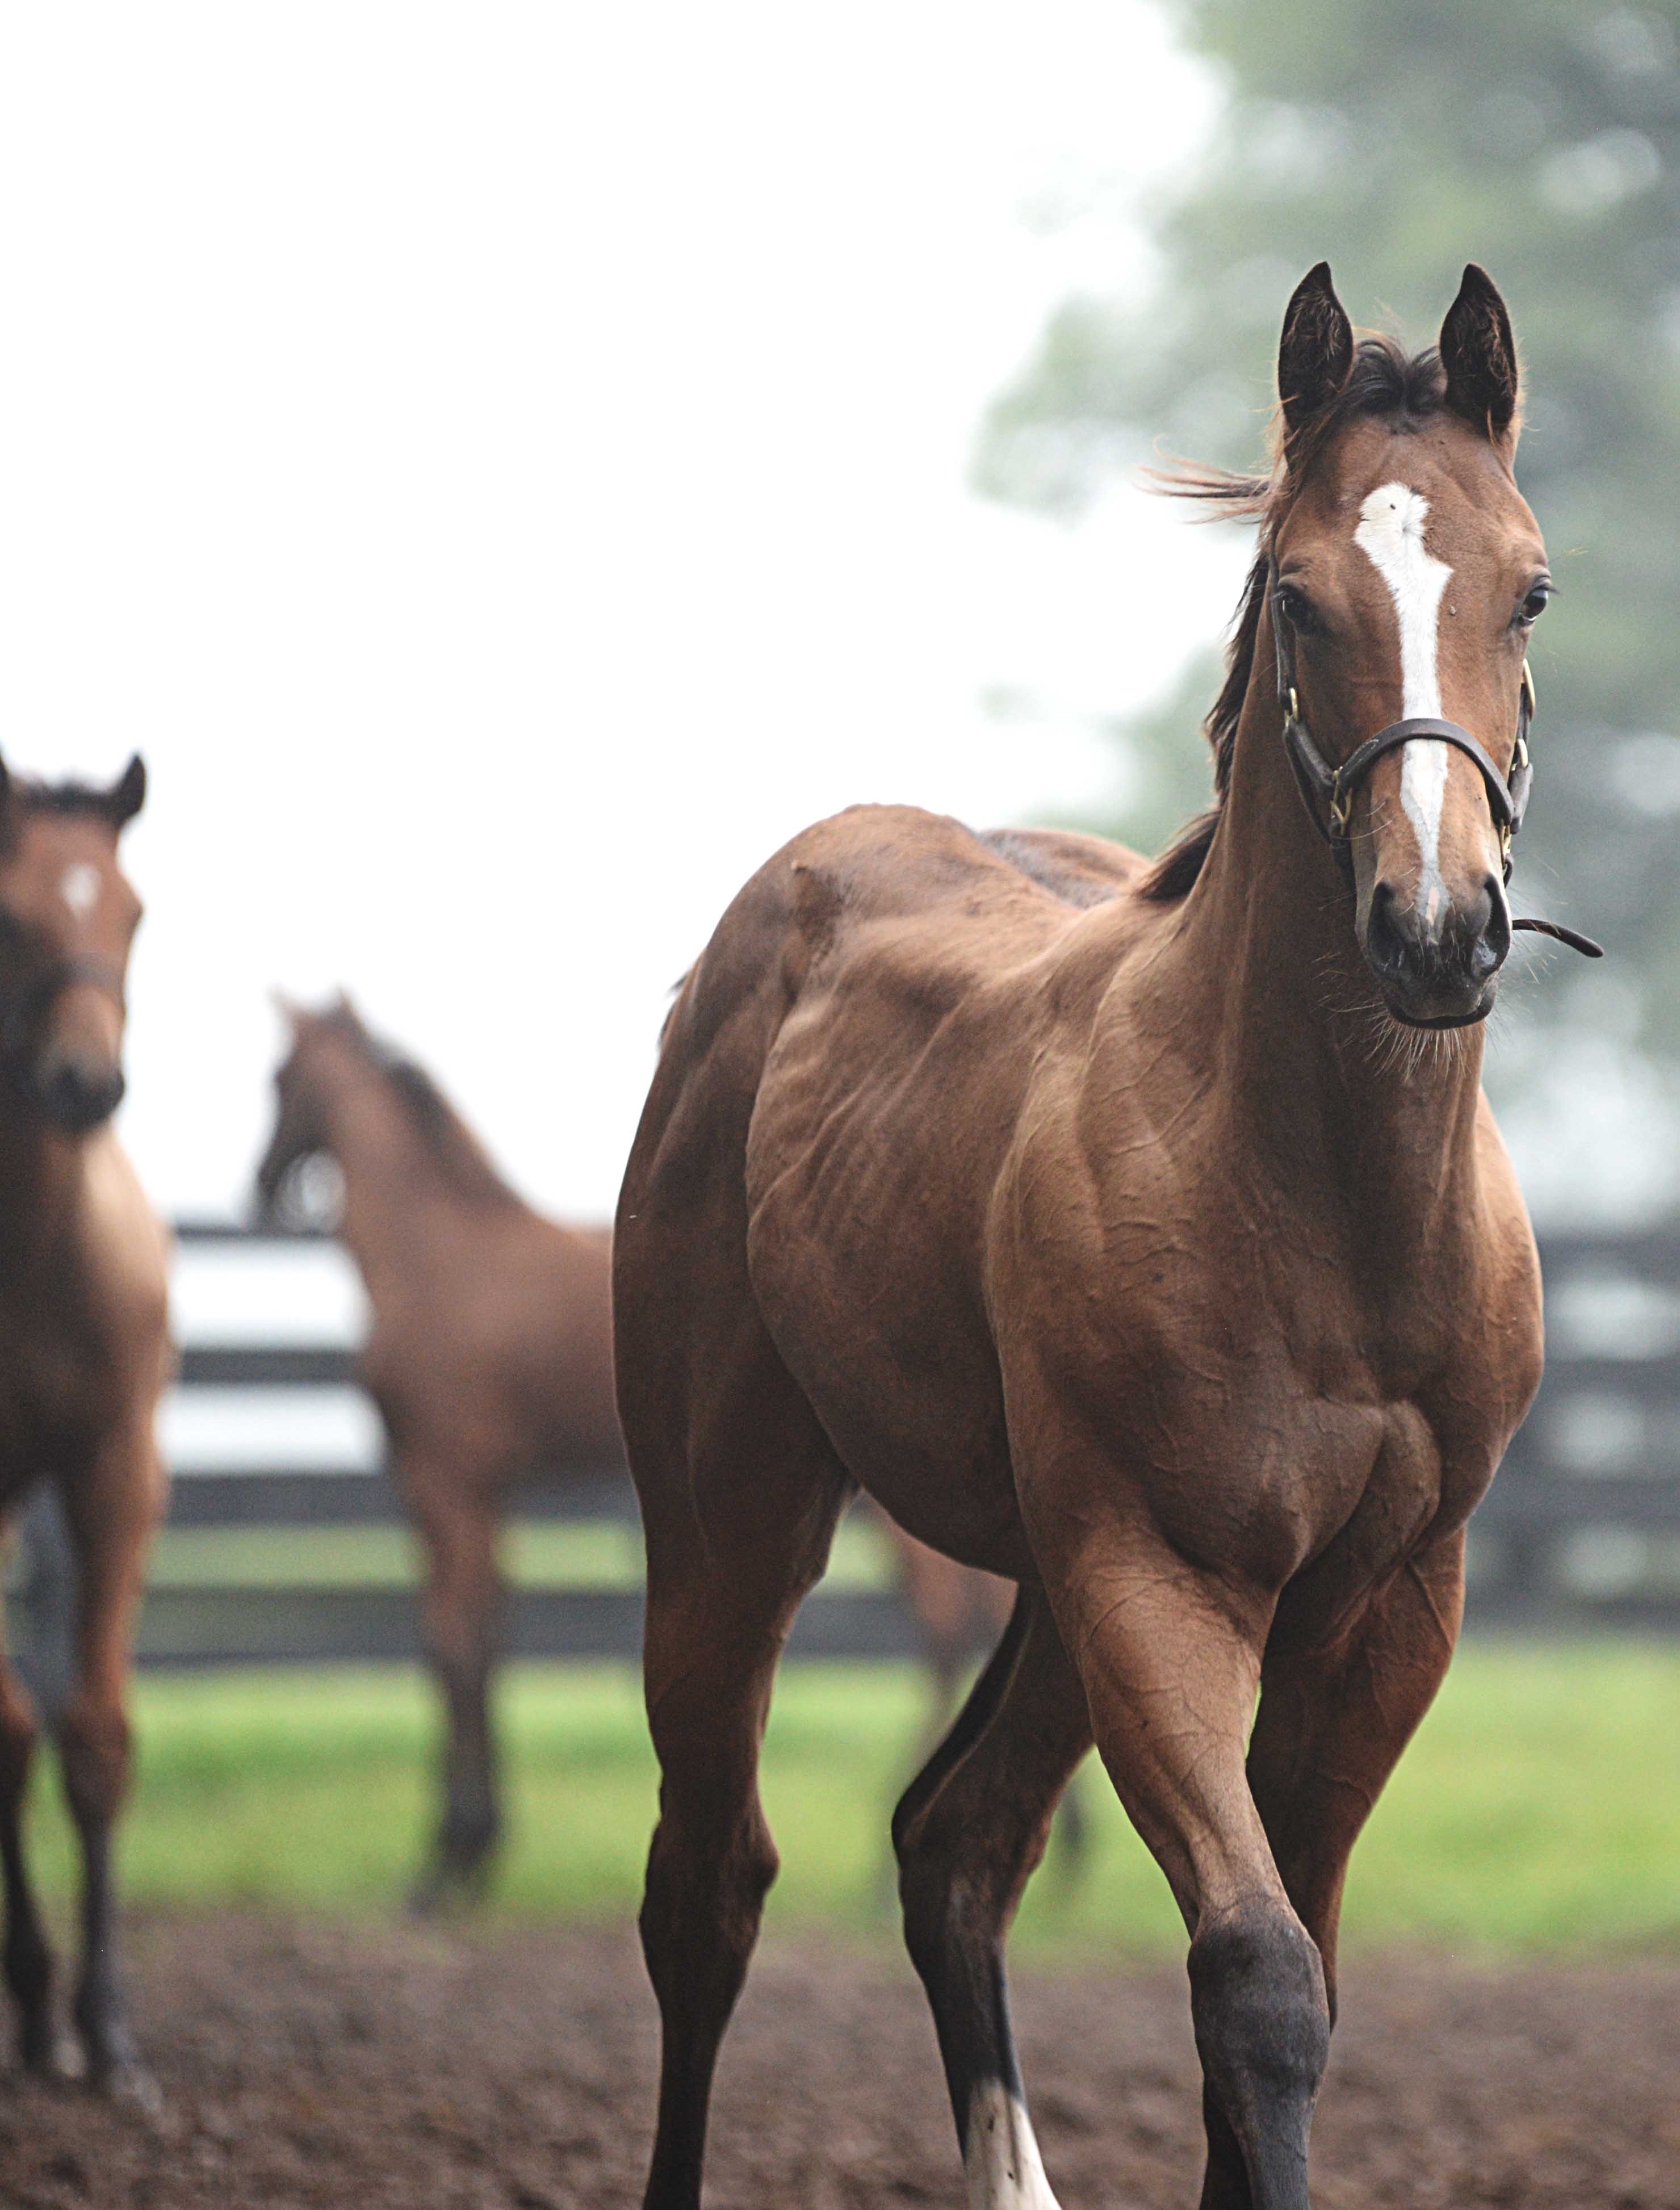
{"points": [[460, 1613], [730, 1553], [969, 1831], [27, 1962]]}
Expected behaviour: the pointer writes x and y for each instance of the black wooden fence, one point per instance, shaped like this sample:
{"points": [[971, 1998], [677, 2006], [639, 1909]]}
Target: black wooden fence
{"points": [[285, 1561], [259, 1561]]}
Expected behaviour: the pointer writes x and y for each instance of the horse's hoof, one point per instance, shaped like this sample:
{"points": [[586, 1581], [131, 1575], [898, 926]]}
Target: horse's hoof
{"points": [[46, 2053], [447, 1891]]}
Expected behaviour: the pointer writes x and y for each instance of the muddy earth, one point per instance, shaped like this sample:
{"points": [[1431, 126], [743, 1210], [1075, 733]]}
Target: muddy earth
{"points": [[311, 2064]]}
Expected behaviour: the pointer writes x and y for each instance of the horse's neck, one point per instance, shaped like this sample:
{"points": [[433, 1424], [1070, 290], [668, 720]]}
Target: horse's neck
{"points": [[394, 1191], [1321, 1082]]}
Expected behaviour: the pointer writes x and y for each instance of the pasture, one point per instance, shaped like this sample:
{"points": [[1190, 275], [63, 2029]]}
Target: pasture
{"points": [[1538, 1810], [1514, 1923]]}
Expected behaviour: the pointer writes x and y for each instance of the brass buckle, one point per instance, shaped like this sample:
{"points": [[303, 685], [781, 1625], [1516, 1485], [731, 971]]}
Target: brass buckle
{"points": [[1528, 692], [1340, 808]]}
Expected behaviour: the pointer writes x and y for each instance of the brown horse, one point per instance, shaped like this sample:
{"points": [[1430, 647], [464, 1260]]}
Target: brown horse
{"points": [[1140, 1234], [489, 1357], [84, 1354], [958, 1616]]}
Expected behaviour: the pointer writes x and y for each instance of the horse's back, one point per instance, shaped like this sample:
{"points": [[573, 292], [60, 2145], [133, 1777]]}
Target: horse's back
{"points": [[961, 898]]}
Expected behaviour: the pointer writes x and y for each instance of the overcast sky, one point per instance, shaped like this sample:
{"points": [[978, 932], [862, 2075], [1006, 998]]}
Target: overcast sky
{"points": [[505, 470]]}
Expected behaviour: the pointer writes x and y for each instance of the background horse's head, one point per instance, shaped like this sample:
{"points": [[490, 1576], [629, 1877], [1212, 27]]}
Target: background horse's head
{"points": [[68, 915], [301, 1138], [1405, 572]]}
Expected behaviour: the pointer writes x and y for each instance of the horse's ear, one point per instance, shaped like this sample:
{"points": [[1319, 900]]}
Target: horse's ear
{"points": [[127, 795], [5, 785], [1316, 350], [289, 1010], [1479, 355]]}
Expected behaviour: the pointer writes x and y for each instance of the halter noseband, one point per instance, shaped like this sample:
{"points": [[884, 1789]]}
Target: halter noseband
{"points": [[1328, 793], [19, 1017]]}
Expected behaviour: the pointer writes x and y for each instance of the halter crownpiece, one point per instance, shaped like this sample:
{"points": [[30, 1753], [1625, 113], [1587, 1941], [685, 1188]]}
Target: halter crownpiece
{"points": [[1328, 793]]}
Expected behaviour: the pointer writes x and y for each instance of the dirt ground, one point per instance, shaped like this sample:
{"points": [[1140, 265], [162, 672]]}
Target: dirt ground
{"points": [[320, 2065]]}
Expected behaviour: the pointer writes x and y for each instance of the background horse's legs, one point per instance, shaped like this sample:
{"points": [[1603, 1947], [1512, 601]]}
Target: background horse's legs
{"points": [[459, 1520], [720, 1599], [1171, 1659], [969, 1831], [27, 1962], [1333, 1722], [111, 1515]]}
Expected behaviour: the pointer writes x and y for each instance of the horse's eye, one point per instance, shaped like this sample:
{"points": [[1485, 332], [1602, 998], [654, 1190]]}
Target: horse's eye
{"points": [[1296, 609], [1535, 604]]}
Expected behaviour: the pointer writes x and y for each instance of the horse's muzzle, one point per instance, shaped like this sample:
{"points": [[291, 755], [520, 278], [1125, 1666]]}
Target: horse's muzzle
{"points": [[77, 1095], [1439, 970]]}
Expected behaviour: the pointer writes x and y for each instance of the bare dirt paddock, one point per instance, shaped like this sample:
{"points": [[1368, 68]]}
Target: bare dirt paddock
{"points": [[316, 2065]]}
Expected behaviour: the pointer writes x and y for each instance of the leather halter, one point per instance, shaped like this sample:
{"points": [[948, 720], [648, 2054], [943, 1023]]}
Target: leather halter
{"points": [[18, 1019], [1328, 793]]}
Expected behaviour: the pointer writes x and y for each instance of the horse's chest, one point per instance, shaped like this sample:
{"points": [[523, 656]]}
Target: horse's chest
{"points": [[54, 1393]]}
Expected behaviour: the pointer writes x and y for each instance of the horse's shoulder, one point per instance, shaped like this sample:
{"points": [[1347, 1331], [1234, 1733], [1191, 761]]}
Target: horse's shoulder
{"points": [[127, 1240]]}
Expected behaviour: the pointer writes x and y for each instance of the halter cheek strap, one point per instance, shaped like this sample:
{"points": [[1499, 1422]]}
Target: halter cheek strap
{"points": [[1328, 791]]}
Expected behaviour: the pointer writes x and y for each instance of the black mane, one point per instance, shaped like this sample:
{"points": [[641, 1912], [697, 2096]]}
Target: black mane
{"points": [[451, 1143]]}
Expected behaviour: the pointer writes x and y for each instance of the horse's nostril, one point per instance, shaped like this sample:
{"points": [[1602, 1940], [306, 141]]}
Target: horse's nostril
{"points": [[76, 1097], [1492, 919], [1385, 942]]}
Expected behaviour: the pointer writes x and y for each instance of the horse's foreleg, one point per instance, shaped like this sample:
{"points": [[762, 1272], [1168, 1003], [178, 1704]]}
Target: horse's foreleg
{"points": [[110, 1514], [27, 1962], [1334, 1721], [1171, 1659], [969, 1831], [461, 1614]]}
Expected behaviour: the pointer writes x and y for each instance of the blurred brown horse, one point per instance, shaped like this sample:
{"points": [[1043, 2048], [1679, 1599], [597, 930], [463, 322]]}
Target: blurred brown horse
{"points": [[83, 1355], [489, 1357], [1138, 1233]]}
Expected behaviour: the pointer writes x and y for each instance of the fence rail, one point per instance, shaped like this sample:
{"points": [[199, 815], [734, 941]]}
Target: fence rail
{"points": [[1582, 1530]]}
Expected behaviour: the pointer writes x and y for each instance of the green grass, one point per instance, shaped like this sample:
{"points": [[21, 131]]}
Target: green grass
{"points": [[535, 1554], [1539, 1807]]}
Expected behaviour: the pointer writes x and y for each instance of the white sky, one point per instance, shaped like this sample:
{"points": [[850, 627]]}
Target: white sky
{"points": [[506, 468]]}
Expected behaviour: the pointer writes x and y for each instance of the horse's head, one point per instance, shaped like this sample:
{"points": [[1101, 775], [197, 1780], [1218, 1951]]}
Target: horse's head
{"points": [[1405, 574], [68, 915], [302, 1083]]}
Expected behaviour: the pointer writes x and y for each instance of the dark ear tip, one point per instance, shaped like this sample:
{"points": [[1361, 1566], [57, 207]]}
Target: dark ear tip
{"points": [[127, 792], [1317, 280]]}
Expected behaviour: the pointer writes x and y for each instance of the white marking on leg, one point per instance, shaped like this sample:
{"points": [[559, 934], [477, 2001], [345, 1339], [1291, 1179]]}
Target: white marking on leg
{"points": [[1001, 2164], [1391, 535]]}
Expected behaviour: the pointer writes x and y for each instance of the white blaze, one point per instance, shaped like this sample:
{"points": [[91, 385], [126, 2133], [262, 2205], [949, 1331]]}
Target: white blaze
{"points": [[1391, 535], [1001, 2164], [79, 887]]}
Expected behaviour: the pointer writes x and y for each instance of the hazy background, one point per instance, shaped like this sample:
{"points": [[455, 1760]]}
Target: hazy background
{"points": [[509, 469]]}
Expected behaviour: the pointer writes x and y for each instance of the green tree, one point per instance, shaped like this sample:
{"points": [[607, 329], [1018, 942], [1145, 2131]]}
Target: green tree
{"points": [[1399, 139]]}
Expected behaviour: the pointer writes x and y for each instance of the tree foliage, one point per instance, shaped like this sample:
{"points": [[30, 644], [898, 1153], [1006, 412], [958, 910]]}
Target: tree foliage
{"points": [[1399, 139]]}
